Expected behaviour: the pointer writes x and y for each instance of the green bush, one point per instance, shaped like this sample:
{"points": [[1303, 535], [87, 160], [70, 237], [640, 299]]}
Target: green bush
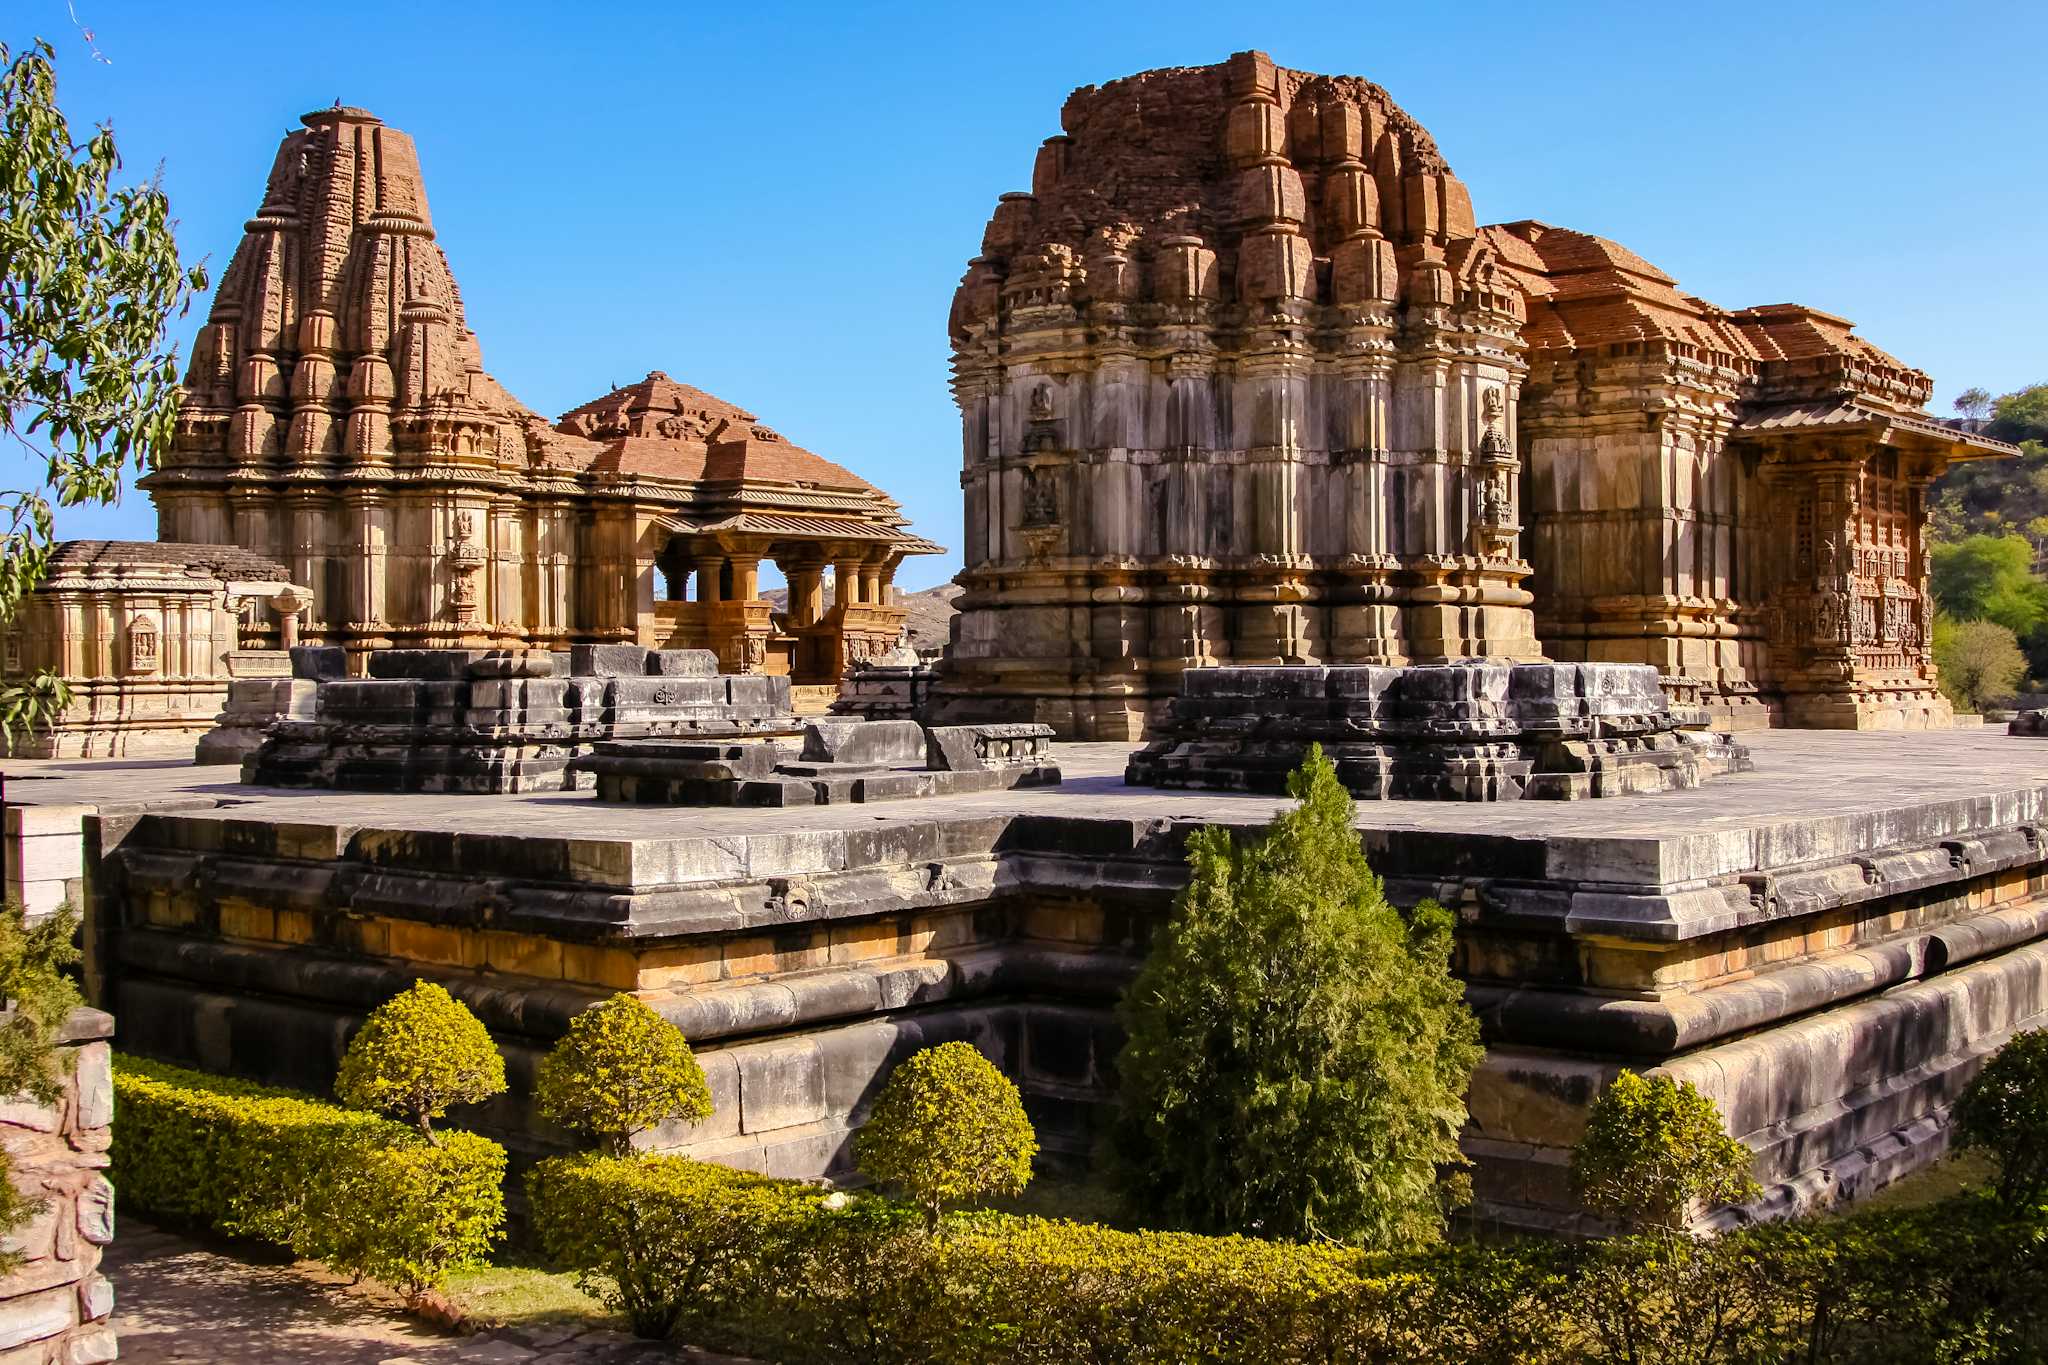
{"points": [[2004, 1111], [1655, 1147], [668, 1241], [39, 996], [417, 1053], [788, 1272], [620, 1070], [363, 1193], [1976, 662], [1298, 1052], [949, 1128]]}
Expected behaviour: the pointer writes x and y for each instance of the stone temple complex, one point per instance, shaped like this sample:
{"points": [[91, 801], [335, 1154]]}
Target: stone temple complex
{"points": [[1243, 382], [1267, 442], [338, 419]]}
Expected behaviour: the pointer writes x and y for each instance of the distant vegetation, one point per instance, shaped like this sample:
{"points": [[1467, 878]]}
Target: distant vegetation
{"points": [[1990, 556]]}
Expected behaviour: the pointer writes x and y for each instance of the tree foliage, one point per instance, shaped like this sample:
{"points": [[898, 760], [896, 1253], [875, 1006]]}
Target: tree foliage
{"points": [[1974, 403], [949, 1128], [1298, 1052], [620, 1070], [1653, 1149], [2021, 415], [39, 994], [2004, 1111], [89, 281], [418, 1053], [1990, 578], [1977, 662]]}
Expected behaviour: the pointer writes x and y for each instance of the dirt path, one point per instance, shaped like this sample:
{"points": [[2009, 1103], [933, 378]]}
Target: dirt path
{"points": [[185, 1302]]}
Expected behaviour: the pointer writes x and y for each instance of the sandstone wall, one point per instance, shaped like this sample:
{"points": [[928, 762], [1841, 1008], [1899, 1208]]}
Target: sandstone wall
{"points": [[55, 1309]]}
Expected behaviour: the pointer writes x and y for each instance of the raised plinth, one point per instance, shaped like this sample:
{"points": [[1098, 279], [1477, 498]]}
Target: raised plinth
{"points": [[1476, 731]]}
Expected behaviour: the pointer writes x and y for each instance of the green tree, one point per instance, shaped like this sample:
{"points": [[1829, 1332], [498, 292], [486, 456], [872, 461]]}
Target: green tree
{"points": [[620, 1070], [1653, 1149], [1298, 1052], [1976, 662], [2004, 1111], [1990, 578], [948, 1127], [417, 1053], [2021, 415], [1974, 403], [89, 280]]}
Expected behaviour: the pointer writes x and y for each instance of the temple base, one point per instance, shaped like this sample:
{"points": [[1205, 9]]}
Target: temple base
{"points": [[1479, 731]]}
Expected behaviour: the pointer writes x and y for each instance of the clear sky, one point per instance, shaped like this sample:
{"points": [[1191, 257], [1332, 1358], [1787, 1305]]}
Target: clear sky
{"points": [[774, 202]]}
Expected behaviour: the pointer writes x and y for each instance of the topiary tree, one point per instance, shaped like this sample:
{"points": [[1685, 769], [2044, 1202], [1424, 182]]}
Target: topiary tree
{"points": [[417, 1053], [620, 1070], [1298, 1051], [1653, 1148], [2004, 1111], [948, 1127]]}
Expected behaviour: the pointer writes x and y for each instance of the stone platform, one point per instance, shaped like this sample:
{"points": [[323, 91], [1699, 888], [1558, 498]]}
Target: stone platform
{"points": [[1476, 731], [840, 761], [495, 721], [1828, 945]]}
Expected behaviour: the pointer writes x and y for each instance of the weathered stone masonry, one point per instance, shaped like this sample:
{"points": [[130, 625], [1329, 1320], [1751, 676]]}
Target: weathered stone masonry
{"points": [[1829, 981]]}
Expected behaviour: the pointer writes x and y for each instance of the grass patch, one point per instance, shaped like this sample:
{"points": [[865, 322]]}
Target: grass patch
{"points": [[516, 1292], [1945, 1179]]}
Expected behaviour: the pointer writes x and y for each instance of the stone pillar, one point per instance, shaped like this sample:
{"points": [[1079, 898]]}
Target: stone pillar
{"points": [[846, 582], [710, 568], [746, 577], [806, 593]]}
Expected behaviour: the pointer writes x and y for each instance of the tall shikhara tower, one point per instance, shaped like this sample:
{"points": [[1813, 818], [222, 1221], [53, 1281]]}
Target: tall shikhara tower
{"points": [[337, 413], [338, 419]]}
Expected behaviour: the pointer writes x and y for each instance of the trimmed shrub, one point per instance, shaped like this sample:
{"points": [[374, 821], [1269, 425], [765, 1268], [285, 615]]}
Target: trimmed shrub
{"points": [[2004, 1111], [1655, 1147], [1298, 1052], [620, 1070], [417, 1053], [667, 1241], [363, 1193], [949, 1128], [787, 1272]]}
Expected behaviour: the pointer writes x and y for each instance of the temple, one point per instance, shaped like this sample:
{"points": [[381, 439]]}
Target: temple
{"points": [[1244, 383], [339, 420]]}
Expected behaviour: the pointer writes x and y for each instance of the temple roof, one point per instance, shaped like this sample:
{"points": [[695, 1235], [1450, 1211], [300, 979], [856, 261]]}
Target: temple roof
{"points": [[224, 562], [666, 429]]}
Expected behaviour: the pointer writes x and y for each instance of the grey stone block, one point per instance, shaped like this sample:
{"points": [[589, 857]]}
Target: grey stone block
{"points": [[682, 663], [782, 1084], [608, 661], [319, 662], [890, 743]]}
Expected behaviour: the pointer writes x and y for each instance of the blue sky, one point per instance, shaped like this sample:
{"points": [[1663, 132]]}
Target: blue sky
{"points": [[774, 202]]}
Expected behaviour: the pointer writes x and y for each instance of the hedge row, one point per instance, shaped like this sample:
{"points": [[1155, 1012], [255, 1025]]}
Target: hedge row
{"points": [[786, 1270], [362, 1193]]}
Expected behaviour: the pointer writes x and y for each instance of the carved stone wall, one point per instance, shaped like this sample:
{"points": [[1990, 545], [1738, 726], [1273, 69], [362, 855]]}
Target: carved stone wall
{"points": [[1256, 405], [148, 636]]}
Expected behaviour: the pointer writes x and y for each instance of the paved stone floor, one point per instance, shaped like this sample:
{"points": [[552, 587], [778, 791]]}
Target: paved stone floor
{"points": [[1798, 772], [181, 1302]]}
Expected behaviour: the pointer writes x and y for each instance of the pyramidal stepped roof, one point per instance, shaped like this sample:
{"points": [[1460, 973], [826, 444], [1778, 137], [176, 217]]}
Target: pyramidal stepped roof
{"points": [[337, 343]]}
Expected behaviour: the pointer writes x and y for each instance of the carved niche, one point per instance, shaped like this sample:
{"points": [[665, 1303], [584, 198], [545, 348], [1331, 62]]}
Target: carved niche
{"points": [[144, 645], [466, 560]]}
